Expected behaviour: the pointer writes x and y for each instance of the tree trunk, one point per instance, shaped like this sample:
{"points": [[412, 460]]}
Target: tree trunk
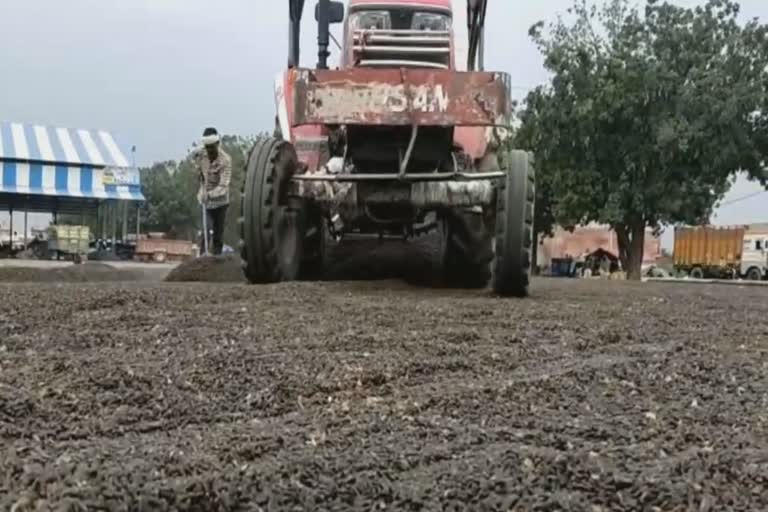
{"points": [[622, 234], [631, 239], [636, 251], [535, 254]]}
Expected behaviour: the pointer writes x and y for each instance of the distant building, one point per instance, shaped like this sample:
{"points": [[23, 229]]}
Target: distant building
{"points": [[757, 228], [586, 239]]}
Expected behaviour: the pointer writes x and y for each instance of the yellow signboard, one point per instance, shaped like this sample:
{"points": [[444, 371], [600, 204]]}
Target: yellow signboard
{"points": [[127, 177]]}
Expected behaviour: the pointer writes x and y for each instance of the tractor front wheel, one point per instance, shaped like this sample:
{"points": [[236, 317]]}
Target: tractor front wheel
{"points": [[271, 219], [514, 226]]}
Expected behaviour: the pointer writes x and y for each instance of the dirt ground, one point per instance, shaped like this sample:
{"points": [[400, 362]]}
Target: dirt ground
{"points": [[216, 269], [367, 396], [87, 272]]}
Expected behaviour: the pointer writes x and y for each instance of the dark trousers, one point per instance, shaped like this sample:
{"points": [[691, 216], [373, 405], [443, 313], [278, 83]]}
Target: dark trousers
{"points": [[216, 222]]}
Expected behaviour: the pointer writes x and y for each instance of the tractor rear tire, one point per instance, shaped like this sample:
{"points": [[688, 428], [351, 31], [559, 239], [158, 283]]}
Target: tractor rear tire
{"points": [[271, 220], [514, 226], [465, 254]]}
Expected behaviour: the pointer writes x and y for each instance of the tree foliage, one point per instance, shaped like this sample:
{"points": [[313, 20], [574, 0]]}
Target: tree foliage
{"points": [[531, 135], [647, 115]]}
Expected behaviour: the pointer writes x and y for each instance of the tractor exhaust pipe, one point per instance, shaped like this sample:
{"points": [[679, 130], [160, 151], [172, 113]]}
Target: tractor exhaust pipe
{"points": [[476, 10], [323, 33], [296, 8]]}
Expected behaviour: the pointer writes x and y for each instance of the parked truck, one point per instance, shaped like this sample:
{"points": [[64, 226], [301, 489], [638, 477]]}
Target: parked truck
{"points": [[160, 250], [733, 252], [71, 242]]}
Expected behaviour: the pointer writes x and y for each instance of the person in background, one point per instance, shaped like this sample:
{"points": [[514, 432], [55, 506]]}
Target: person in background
{"points": [[215, 167]]}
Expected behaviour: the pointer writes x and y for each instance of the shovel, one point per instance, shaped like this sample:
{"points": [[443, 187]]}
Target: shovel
{"points": [[205, 216]]}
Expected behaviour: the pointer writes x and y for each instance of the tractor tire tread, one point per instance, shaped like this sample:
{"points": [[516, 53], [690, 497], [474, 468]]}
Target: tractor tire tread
{"points": [[257, 244], [514, 230]]}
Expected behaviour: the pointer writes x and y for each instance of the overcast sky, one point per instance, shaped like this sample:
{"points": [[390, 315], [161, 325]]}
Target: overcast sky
{"points": [[156, 72]]}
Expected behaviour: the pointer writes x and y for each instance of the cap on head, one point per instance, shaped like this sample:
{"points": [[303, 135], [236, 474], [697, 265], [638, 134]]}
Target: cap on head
{"points": [[210, 137]]}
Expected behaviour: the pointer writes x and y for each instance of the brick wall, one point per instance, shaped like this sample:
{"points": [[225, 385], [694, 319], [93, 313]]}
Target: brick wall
{"points": [[588, 239]]}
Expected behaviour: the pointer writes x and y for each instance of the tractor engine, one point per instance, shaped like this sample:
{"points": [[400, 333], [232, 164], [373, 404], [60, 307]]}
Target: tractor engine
{"points": [[398, 34]]}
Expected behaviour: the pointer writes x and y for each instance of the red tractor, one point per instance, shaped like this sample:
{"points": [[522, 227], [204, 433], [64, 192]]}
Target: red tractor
{"points": [[395, 141]]}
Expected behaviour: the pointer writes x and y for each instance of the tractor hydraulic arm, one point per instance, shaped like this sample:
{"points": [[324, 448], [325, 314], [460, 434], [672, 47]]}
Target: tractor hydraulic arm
{"points": [[475, 24], [295, 8]]}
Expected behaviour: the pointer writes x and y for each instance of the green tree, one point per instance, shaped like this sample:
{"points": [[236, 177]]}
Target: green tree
{"points": [[170, 206], [531, 135], [647, 115]]}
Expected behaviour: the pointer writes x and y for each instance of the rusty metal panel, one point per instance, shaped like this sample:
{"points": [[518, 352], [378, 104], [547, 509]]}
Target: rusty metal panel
{"points": [[401, 97]]}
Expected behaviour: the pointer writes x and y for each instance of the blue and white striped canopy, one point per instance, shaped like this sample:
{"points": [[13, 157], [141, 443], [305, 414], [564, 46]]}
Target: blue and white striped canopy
{"points": [[41, 160]]}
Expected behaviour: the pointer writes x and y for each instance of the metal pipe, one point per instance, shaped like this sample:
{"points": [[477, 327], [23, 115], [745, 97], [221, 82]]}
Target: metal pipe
{"points": [[375, 32], [125, 221], [205, 229], [114, 227], [295, 10], [403, 50], [481, 51], [476, 10], [401, 37], [26, 225], [481, 36], [104, 215], [388, 63], [10, 228], [424, 176], [409, 151]]}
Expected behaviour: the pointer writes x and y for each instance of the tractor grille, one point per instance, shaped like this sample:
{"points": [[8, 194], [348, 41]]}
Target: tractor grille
{"points": [[402, 48]]}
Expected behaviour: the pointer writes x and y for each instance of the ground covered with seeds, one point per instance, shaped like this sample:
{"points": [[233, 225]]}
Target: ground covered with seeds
{"points": [[379, 395]]}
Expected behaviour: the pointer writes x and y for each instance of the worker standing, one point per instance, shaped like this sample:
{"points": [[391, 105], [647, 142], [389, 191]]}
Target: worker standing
{"points": [[215, 167]]}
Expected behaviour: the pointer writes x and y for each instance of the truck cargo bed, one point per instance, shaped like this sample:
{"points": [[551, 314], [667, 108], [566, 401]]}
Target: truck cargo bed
{"points": [[708, 246]]}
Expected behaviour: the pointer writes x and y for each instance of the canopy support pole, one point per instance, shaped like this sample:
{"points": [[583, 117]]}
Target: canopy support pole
{"points": [[138, 222], [104, 214], [26, 226], [114, 228], [10, 228], [125, 221]]}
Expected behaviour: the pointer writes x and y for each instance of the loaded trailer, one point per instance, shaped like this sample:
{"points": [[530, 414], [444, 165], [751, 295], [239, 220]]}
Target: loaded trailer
{"points": [[732, 252], [70, 242]]}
